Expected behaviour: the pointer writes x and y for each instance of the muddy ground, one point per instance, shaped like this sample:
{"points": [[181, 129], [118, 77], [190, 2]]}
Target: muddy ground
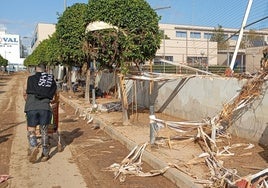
{"points": [[92, 150]]}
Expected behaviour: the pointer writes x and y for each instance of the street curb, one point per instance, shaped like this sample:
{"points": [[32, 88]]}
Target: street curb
{"points": [[178, 178]]}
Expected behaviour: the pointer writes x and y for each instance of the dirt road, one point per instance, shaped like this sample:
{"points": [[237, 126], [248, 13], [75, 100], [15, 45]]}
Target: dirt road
{"points": [[83, 162], [88, 152], [57, 172]]}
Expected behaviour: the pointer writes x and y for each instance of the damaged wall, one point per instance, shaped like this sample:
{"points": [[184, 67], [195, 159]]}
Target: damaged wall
{"points": [[200, 97]]}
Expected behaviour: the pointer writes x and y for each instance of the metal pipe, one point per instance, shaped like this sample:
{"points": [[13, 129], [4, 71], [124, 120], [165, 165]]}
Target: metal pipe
{"points": [[188, 67], [252, 23], [241, 34], [93, 98], [64, 5], [153, 126]]}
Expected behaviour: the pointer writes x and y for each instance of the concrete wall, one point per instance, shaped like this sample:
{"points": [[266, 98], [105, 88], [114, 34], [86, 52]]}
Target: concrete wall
{"points": [[199, 97]]}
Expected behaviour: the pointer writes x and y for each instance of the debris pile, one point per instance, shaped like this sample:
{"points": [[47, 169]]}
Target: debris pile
{"points": [[251, 91], [218, 125], [264, 60], [205, 132], [131, 165]]}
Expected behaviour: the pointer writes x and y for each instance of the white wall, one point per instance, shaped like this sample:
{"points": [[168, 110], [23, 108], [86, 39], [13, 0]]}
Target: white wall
{"points": [[10, 48], [200, 97]]}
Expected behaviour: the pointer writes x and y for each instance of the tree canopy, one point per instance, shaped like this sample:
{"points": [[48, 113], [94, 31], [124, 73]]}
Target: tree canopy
{"points": [[219, 37], [39, 54], [3, 61], [252, 39], [70, 31], [137, 38]]}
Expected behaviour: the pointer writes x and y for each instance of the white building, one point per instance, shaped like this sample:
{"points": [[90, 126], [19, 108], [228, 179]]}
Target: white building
{"points": [[10, 49], [191, 45], [42, 32], [186, 44]]}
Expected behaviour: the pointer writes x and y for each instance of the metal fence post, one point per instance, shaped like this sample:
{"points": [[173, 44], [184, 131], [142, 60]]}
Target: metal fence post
{"points": [[93, 97], [153, 125]]}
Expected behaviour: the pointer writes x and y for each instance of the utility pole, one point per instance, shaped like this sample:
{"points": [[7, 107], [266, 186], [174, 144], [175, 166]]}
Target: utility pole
{"points": [[64, 5], [241, 33], [164, 37]]}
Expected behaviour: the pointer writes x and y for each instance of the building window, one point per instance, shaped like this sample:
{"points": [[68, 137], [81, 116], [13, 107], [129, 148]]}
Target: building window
{"points": [[195, 35], [169, 58], [181, 34], [196, 61], [34, 40], [208, 35], [157, 59], [193, 60]]}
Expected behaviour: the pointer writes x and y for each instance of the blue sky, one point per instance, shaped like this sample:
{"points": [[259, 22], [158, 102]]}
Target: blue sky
{"points": [[21, 16]]}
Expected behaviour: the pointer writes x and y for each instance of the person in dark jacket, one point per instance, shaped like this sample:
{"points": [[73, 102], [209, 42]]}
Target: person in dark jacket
{"points": [[40, 90]]}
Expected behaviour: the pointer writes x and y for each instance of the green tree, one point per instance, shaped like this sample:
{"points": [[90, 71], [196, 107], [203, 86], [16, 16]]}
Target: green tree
{"points": [[252, 37], [46, 52], [134, 38], [70, 31], [40, 54], [219, 37], [53, 55], [3, 62], [137, 38]]}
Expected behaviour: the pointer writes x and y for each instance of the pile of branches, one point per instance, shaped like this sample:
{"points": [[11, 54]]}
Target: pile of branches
{"points": [[251, 91], [132, 165], [238, 105]]}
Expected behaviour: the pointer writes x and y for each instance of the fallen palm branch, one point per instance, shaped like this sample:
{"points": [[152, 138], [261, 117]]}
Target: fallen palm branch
{"points": [[231, 111], [251, 91], [180, 127], [219, 175], [131, 165], [238, 105]]}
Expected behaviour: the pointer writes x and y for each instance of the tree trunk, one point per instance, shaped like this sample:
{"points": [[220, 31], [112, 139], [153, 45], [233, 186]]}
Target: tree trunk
{"points": [[124, 100], [87, 96], [69, 78]]}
